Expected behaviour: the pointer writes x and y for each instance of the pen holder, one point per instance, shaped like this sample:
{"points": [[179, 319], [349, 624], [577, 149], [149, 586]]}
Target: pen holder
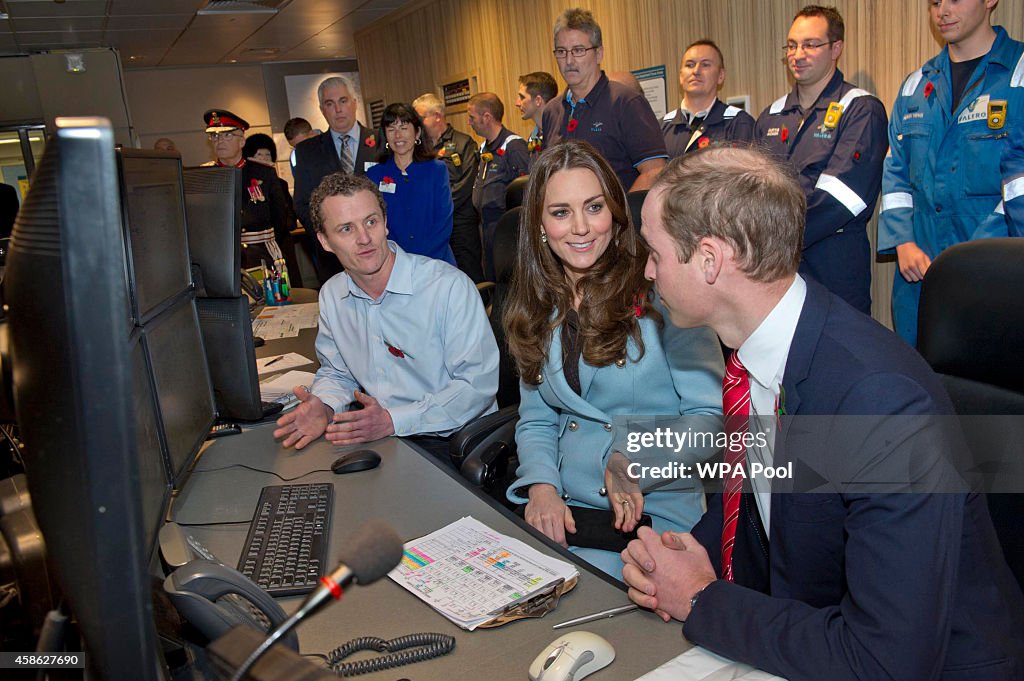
{"points": [[277, 284]]}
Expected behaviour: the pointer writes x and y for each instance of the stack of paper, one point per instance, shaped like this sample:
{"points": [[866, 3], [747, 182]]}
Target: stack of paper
{"points": [[285, 321], [279, 388], [472, 574]]}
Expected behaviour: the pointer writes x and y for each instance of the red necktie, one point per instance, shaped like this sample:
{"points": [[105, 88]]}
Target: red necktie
{"points": [[736, 407]]}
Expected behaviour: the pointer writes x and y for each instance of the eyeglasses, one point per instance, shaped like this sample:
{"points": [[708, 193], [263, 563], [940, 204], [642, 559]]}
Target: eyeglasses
{"points": [[578, 51], [791, 48], [214, 136]]}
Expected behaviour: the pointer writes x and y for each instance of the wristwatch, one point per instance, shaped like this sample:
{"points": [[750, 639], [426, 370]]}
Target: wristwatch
{"points": [[693, 601]]}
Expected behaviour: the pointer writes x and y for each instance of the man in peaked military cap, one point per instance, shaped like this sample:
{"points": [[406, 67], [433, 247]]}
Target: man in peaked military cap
{"points": [[266, 225]]}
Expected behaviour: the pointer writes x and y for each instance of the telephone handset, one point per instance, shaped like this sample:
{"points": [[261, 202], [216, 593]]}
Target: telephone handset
{"points": [[198, 591], [212, 596]]}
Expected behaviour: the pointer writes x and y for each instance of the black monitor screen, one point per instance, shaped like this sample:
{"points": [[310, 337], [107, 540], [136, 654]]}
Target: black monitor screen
{"points": [[154, 476], [183, 390], [77, 381], [214, 209], [154, 220]]}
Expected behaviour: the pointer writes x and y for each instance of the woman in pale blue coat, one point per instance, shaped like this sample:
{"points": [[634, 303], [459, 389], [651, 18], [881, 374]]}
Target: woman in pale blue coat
{"points": [[591, 345]]}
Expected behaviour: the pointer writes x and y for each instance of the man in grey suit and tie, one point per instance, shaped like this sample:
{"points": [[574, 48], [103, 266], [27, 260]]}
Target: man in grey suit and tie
{"points": [[346, 146]]}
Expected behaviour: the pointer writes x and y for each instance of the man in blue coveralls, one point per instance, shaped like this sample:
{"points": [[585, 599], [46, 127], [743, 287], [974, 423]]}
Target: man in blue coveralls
{"points": [[949, 125], [1013, 182], [833, 134]]}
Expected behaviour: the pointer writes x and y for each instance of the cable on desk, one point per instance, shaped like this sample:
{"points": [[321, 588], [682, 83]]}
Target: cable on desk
{"points": [[259, 470], [430, 645]]}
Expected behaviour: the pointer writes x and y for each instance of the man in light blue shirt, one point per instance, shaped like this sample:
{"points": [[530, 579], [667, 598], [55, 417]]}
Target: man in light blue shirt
{"points": [[403, 335]]}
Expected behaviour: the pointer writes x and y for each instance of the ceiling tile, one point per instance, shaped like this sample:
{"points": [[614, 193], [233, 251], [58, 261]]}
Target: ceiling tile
{"points": [[63, 24], [119, 7], [19, 9], [148, 22], [57, 40]]}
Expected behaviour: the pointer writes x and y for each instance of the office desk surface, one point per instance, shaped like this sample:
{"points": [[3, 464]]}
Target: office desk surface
{"points": [[416, 496]]}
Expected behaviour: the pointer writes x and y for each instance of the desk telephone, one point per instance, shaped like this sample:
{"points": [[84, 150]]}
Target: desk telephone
{"points": [[212, 596]]}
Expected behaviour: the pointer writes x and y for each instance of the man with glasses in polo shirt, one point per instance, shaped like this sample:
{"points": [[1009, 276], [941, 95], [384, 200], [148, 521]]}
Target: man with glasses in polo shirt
{"points": [[616, 120], [834, 135]]}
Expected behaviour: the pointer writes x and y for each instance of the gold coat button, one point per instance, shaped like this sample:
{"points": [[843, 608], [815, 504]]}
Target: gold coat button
{"points": [[620, 363], [540, 378], [573, 426]]}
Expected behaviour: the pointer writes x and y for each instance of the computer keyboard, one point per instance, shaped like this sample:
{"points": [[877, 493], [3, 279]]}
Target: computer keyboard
{"points": [[286, 550]]}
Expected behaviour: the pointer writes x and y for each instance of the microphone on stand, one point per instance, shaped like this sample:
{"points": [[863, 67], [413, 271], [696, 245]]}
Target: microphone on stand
{"points": [[368, 555]]}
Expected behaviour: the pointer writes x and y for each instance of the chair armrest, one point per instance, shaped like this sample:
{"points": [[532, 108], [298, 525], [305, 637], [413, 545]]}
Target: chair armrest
{"points": [[491, 464], [474, 432]]}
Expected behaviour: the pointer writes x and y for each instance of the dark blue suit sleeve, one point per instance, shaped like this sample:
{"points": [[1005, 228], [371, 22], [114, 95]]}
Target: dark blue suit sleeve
{"points": [[899, 569]]}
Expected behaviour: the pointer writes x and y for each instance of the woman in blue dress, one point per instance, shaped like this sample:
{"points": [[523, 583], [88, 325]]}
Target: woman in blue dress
{"points": [[590, 344], [415, 186]]}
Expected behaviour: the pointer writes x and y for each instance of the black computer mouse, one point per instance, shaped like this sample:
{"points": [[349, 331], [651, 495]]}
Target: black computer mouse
{"points": [[353, 462]]}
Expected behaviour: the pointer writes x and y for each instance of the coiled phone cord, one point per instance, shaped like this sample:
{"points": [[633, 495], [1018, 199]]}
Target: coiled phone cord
{"points": [[428, 645]]}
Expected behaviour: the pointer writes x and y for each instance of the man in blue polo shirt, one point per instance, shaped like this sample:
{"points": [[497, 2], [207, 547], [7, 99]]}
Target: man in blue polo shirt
{"points": [[609, 115], [949, 124], [833, 135], [702, 118]]}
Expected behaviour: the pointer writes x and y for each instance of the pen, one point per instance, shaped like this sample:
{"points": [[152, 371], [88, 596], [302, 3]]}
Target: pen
{"points": [[604, 614], [276, 359]]}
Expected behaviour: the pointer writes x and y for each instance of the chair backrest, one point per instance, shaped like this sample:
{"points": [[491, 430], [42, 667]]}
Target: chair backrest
{"points": [[506, 244], [636, 202], [971, 331], [514, 192]]}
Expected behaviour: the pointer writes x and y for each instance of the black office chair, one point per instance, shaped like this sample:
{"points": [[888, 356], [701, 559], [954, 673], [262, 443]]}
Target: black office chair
{"points": [[971, 331], [636, 202], [514, 192], [484, 450]]}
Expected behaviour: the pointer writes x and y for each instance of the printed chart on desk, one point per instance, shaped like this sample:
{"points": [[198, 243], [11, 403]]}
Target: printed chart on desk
{"points": [[285, 321], [470, 573]]}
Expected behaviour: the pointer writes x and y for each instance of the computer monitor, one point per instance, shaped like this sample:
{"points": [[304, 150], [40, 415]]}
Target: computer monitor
{"points": [[231, 358], [174, 347], [154, 220], [213, 205], [71, 338]]}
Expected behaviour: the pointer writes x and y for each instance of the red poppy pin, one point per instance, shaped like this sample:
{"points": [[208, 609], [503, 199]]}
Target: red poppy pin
{"points": [[928, 89], [784, 134], [856, 156], [638, 305], [387, 180], [573, 124], [397, 351], [500, 152], [371, 141], [703, 142], [255, 193]]}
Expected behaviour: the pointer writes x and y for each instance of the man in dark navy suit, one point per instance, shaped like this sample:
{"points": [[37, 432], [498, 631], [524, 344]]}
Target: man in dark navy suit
{"points": [[346, 146], [867, 578]]}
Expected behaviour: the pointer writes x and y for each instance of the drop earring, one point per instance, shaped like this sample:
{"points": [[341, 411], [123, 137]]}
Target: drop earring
{"points": [[543, 236]]}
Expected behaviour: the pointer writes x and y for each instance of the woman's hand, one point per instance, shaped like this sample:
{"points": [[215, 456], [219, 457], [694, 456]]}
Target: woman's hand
{"points": [[624, 495], [548, 513]]}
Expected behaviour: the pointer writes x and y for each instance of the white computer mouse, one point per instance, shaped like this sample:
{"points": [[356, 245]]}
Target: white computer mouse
{"points": [[571, 657]]}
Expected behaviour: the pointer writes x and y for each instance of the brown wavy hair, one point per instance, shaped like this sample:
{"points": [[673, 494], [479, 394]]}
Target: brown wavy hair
{"points": [[541, 294]]}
